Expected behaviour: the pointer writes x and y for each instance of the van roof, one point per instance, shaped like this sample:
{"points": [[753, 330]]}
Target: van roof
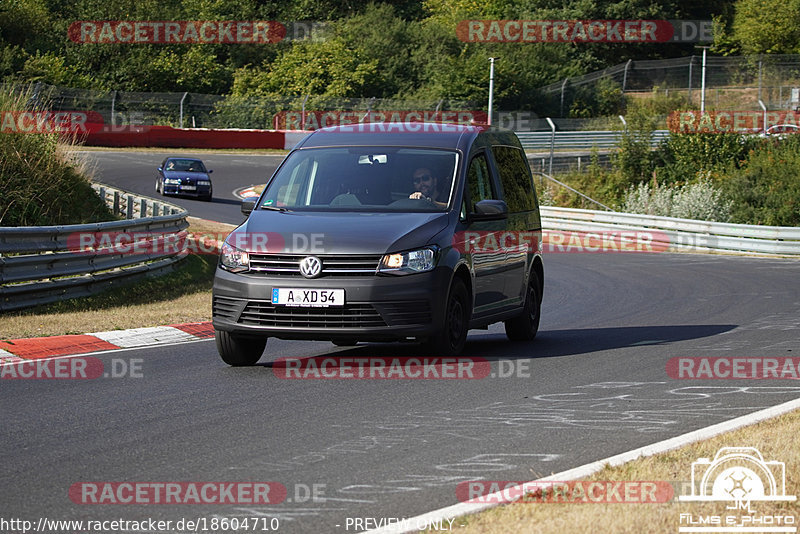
{"points": [[428, 134]]}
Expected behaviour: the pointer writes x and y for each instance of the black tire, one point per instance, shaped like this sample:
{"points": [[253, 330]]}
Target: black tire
{"points": [[159, 187], [525, 326], [451, 339], [238, 351], [345, 342], [207, 198]]}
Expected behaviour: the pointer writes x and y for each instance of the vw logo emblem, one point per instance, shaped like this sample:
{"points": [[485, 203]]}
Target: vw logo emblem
{"points": [[310, 267]]}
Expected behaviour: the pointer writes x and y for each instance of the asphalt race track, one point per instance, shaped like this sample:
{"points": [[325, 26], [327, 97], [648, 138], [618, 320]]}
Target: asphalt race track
{"points": [[136, 172], [593, 384]]}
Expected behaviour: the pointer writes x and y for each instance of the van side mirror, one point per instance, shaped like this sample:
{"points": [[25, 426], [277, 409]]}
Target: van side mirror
{"points": [[490, 210], [248, 206]]}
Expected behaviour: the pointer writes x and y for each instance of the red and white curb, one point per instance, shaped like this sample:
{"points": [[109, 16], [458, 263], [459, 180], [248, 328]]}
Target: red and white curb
{"points": [[13, 351]]}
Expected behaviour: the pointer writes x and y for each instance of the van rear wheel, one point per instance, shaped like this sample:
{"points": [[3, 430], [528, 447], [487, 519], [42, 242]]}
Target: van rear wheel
{"points": [[525, 326], [238, 351], [451, 339]]}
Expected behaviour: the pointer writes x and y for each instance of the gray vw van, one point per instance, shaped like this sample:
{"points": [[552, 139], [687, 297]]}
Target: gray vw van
{"points": [[385, 232]]}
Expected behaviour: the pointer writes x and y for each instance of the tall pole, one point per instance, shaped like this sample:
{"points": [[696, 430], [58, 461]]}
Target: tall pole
{"points": [[491, 88], [703, 81]]}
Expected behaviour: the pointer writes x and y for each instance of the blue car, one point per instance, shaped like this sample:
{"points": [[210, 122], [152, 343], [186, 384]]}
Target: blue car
{"points": [[184, 176]]}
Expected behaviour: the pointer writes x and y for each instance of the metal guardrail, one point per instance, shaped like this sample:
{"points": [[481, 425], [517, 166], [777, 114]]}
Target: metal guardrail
{"points": [[581, 140], [675, 234], [42, 264]]}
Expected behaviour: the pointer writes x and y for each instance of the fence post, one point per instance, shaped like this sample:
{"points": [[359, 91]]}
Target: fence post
{"points": [[691, 61], [625, 75], [552, 144], [182, 99], [563, 87], [760, 60]]}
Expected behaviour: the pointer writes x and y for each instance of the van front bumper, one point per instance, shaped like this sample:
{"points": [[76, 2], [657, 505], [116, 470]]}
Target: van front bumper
{"points": [[376, 308]]}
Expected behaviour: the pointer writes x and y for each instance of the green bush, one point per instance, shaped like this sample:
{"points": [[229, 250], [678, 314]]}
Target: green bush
{"points": [[40, 183], [766, 187]]}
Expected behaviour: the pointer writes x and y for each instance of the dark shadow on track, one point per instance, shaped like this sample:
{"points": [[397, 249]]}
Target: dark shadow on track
{"points": [[548, 344]]}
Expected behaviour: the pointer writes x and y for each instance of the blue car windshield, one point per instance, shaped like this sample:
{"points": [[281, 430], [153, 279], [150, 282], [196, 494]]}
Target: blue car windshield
{"points": [[364, 179], [184, 165]]}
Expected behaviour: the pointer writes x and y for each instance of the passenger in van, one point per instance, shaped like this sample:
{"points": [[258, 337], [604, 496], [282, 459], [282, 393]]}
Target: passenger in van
{"points": [[426, 187]]}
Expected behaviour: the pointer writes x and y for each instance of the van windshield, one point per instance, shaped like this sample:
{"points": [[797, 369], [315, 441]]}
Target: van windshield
{"points": [[363, 179]]}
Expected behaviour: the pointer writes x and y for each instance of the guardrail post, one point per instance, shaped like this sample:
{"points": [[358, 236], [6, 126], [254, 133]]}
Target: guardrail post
{"points": [[116, 203], [142, 207], [129, 207]]}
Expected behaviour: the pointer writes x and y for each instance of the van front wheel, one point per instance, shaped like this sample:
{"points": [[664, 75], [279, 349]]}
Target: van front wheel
{"points": [[238, 351], [451, 339], [525, 326]]}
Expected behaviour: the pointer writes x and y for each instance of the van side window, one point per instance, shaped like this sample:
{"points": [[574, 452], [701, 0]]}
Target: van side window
{"points": [[515, 177], [479, 181]]}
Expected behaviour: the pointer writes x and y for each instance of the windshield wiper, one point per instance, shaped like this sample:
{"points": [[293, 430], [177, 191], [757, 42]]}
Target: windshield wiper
{"points": [[274, 208]]}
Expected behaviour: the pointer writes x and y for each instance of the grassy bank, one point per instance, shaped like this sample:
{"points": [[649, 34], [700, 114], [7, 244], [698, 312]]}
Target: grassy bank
{"points": [[775, 439]]}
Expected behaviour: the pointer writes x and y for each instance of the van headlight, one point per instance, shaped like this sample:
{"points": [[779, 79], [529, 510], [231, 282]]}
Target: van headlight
{"points": [[414, 261], [233, 259]]}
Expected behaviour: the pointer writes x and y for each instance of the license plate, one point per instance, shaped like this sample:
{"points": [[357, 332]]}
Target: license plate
{"points": [[188, 187], [292, 296]]}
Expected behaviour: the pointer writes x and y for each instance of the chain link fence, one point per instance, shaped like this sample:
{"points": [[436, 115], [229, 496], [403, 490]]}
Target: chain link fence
{"points": [[731, 82], [195, 110]]}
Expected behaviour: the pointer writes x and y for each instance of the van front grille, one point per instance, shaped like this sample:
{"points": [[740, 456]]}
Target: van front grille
{"points": [[332, 265]]}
